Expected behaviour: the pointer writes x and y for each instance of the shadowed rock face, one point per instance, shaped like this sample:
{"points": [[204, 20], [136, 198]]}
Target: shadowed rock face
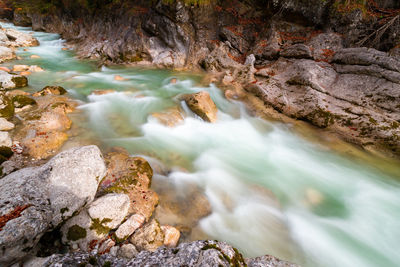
{"points": [[198, 253]]}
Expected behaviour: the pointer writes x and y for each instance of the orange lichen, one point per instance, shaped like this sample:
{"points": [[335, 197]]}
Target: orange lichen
{"points": [[12, 215]]}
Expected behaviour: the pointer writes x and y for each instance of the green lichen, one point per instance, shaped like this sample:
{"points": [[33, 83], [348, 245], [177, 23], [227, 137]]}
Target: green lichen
{"points": [[122, 185], [99, 227], [92, 260], [236, 261], [8, 111], [20, 81], [64, 210], [76, 232], [21, 101], [6, 152], [107, 264]]}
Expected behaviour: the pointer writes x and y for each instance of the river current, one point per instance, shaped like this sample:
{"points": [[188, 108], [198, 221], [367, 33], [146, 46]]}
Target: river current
{"points": [[270, 190]]}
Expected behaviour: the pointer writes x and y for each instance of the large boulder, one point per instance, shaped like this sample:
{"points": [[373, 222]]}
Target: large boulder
{"points": [[197, 253], [131, 176], [40, 198], [202, 105], [357, 96], [92, 225]]}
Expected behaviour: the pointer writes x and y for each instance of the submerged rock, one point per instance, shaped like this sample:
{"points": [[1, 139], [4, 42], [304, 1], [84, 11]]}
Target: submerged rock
{"points": [[202, 104], [40, 198]]}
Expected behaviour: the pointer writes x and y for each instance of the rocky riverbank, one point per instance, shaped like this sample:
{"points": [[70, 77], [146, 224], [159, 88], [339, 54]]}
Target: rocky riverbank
{"points": [[55, 206], [302, 59]]}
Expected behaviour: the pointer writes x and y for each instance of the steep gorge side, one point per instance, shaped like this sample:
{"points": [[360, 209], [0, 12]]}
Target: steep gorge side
{"points": [[296, 56]]}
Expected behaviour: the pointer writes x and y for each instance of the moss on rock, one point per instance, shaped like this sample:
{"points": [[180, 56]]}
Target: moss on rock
{"points": [[7, 109], [76, 232], [21, 101]]}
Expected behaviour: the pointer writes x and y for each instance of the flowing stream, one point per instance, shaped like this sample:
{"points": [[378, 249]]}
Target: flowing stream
{"points": [[270, 190]]}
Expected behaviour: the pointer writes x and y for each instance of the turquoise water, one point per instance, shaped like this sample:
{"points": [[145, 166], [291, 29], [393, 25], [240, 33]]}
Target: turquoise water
{"points": [[271, 191]]}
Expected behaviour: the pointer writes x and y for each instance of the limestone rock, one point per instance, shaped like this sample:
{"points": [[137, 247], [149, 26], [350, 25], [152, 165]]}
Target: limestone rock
{"points": [[5, 125], [110, 209], [5, 139], [83, 231], [6, 54], [197, 253], [11, 81], [129, 226], [202, 104], [20, 68], [149, 237], [127, 251], [171, 234], [44, 144], [297, 51], [131, 176], [20, 38], [35, 68], [40, 198], [51, 90]]}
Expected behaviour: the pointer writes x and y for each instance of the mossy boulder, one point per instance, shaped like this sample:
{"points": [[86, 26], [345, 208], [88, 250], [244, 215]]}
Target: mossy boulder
{"points": [[19, 81], [7, 109], [21, 101], [131, 176]]}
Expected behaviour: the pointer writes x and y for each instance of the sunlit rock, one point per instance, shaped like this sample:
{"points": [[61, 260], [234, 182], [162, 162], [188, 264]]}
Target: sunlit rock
{"points": [[171, 234], [202, 104], [149, 237]]}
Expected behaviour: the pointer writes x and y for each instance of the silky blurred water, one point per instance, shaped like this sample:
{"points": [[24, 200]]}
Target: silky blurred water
{"points": [[270, 190]]}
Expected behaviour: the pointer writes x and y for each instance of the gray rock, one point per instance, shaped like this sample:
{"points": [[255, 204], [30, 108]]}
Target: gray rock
{"points": [[83, 232], [297, 51], [40, 198], [367, 56], [360, 102], [127, 251], [198, 253], [112, 208]]}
